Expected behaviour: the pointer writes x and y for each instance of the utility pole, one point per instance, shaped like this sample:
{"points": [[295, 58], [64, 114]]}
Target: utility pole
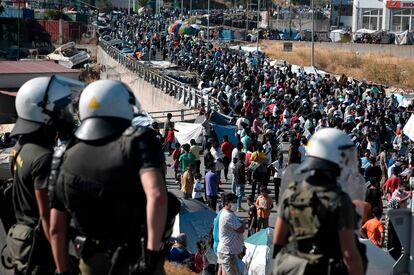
{"points": [[247, 19], [257, 27], [313, 35], [182, 9], [208, 21], [191, 7]]}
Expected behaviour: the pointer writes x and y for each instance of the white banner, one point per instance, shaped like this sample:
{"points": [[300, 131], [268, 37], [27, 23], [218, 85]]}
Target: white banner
{"points": [[409, 128], [187, 131]]}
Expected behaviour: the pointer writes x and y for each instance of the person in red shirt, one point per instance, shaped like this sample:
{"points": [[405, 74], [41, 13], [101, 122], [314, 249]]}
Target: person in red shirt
{"points": [[200, 260], [226, 148], [392, 183]]}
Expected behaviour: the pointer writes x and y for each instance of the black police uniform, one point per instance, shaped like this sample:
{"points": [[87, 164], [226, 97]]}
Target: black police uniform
{"points": [[31, 158], [99, 186]]}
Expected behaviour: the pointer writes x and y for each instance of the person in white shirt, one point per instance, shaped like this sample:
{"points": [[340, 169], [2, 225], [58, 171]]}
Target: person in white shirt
{"points": [[230, 231], [198, 189], [218, 158], [235, 155]]}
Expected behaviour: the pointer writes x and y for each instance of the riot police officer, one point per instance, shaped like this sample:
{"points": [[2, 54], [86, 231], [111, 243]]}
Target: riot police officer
{"points": [[43, 115], [314, 232], [111, 184]]}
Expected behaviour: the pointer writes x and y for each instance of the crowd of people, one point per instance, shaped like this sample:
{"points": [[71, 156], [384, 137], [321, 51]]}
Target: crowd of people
{"points": [[270, 106], [274, 105]]}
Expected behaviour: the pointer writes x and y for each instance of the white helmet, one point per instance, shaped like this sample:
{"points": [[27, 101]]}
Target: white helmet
{"points": [[105, 107], [331, 149], [39, 99], [329, 144]]}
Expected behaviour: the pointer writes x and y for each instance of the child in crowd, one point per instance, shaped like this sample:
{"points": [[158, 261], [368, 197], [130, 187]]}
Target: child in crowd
{"points": [[200, 260], [187, 182], [252, 220], [170, 139], [373, 228], [198, 189], [263, 204], [176, 164]]}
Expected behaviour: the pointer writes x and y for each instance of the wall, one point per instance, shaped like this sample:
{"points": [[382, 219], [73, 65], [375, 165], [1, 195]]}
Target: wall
{"points": [[152, 99], [72, 31], [382, 49]]}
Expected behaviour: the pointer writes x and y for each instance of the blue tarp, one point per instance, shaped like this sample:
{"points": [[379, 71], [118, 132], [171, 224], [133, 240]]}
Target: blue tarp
{"points": [[229, 130], [227, 35]]}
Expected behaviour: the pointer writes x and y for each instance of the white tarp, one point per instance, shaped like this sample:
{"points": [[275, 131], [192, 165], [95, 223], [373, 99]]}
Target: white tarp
{"points": [[336, 35], [257, 259], [409, 128], [246, 49], [187, 131], [307, 69], [404, 38]]}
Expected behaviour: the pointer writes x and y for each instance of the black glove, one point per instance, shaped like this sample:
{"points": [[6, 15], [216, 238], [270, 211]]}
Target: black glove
{"points": [[148, 263]]}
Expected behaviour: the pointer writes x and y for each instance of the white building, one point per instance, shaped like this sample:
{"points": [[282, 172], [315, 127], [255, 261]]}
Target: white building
{"points": [[388, 15]]}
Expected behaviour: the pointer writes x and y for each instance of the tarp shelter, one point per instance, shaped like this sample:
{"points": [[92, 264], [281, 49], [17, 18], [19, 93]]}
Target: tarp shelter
{"points": [[404, 38], [187, 132], [215, 118], [229, 130], [379, 261], [337, 35], [195, 220], [307, 69], [259, 252]]}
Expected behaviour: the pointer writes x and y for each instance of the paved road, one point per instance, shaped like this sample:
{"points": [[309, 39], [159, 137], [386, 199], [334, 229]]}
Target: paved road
{"points": [[226, 186]]}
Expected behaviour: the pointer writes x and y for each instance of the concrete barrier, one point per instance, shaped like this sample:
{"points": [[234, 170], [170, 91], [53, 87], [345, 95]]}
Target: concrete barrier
{"points": [[152, 99], [378, 49]]}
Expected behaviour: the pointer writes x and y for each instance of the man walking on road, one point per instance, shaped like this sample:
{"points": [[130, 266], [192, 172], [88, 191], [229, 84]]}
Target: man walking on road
{"points": [[212, 186], [231, 231]]}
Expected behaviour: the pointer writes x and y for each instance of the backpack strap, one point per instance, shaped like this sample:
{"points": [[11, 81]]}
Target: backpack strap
{"points": [[57, 160]]}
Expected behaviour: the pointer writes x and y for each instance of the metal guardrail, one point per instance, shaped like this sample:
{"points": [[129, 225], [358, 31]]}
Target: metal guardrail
{"points": [[182, 114], [184, 93]]}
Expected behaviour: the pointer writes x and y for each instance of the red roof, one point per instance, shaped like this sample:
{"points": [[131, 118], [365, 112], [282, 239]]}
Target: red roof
{"points": [[31, 67], [9, 93]]}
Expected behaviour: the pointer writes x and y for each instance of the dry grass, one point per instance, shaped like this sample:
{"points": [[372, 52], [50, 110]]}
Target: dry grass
{"points": [[174, 269], [393, 71]]}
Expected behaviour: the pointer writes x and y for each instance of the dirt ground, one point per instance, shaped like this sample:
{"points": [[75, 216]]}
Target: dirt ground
{"points": [[392, 71]]}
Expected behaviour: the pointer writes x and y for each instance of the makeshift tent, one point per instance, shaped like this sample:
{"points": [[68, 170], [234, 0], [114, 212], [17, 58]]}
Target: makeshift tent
{"points": [[215, 118], [229, 130], [187, 132], [379, 261], [195, 220], [404, 38], [258, 252], [337, 35]]}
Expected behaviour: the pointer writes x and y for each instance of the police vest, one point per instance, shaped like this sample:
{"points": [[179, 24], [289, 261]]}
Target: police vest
{"points": [[310, 212], [99, 184]]}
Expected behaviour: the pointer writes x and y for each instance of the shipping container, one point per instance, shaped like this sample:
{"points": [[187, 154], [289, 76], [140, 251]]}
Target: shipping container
{"points": [[11, 12], [72, 31]]}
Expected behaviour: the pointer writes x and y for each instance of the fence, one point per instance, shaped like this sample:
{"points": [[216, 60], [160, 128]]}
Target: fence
{"points": [[184, 93], [181, 114]]}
